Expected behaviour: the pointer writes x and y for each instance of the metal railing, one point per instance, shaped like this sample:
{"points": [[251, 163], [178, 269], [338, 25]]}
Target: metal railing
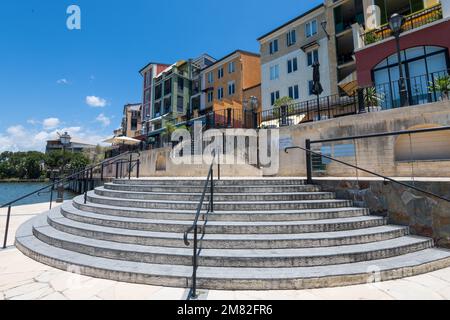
{"points": [[413, 21], [320, 159], [85, 176], [209, 184], [421, 90], [324, 108]]}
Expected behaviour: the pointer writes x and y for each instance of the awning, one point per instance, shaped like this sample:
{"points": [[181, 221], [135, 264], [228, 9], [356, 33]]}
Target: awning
{"points": [[349, 84], [156, 132]]}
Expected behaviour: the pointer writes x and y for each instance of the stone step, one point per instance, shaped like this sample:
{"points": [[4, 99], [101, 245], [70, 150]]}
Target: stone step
{"points": [[219, 205], [218, 189], [269, 215], [259, 258], [230, 227], [219, 197], [227, 241], [201, 182], [233, 278]]}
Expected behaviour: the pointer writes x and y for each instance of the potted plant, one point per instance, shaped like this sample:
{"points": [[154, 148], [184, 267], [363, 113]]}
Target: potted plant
{"points": [[285, 101], [372, 99], [442, 85], [371, 37]]}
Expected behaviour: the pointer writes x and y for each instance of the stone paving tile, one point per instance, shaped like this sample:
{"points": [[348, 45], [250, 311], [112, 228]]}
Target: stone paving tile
{"points": [[54, 296], [404, 289], [358, 292], [25, 289]]}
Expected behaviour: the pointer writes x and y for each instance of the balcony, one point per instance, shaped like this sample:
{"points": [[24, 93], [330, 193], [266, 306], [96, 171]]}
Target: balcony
{"points": [[412, 21]]}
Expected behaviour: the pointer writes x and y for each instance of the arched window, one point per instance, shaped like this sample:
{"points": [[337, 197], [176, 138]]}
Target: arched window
{"points": [[420, 65]]}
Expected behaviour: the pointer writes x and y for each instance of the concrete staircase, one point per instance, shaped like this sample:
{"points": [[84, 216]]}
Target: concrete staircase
{"points": [[264, 234]]}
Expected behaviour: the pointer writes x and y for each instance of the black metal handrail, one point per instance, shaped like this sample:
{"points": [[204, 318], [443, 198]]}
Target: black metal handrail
{"points": [[86, 173], [309, 153], [209, 182]]}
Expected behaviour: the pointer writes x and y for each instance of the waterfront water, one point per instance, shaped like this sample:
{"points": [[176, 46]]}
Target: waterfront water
{"points": [[12, 191]]}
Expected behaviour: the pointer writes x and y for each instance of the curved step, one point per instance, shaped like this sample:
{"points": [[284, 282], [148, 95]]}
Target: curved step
{"points": [[201, 182], [232, 278], [236, 205], [222, 215], [227, 241], [218, 189], [260, 258], [229, 227], [218, 197]]}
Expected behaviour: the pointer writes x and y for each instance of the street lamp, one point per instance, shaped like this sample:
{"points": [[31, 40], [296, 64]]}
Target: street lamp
{"points": [[396, 22]]}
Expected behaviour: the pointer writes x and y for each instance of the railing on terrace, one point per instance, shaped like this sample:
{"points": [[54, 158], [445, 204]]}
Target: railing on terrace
{"points": [[413, 21], [421, 90]]}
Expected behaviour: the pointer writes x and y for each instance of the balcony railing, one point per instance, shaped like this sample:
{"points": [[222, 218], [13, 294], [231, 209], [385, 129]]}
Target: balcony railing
{"points": [[413, 21]]}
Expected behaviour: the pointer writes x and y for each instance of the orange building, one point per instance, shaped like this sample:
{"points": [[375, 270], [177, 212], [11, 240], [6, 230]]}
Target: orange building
{"points": [[228, 83]]}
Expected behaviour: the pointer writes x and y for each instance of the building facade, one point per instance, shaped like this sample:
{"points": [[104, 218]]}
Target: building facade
{"points": [[66, 143], [424, 45], [171, 94], [287, 56], [132, 120], [226, 81], [148, 73]]}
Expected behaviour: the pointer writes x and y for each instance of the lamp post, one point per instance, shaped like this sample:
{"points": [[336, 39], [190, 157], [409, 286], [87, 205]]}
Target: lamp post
{"points": [[396, 22]]}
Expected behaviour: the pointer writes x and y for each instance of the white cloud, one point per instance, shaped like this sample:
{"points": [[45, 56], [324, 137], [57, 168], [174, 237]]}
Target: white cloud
{"points": [[96, 102], [32, 122], [19, 138], [104, 120], [16, 131], [62, 81], [51, 123]]}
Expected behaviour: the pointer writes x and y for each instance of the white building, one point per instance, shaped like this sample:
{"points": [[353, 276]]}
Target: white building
{"points": [[287, 55]]}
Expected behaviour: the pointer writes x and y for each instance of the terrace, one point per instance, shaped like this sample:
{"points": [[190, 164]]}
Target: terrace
{"points": [[412, 21]]}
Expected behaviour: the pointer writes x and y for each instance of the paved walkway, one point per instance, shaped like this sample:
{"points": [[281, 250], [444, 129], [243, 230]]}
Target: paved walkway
{"points": [[23, 278]]}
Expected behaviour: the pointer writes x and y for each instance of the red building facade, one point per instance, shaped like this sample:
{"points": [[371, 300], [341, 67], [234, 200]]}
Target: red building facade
{"points": [[436, 36]]}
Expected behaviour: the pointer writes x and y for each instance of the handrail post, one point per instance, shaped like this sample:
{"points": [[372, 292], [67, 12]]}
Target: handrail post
{"points": [[102, 172], [51, 193], [117, 170], [8, 216], [212, 191], [194, 264], [308, 162], [138, 168], [130, 166]]}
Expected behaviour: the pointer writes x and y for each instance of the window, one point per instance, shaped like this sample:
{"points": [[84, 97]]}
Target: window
{"points": [[210, 77], [167, 87], [220, 93], [210, 96], [313, 56], [274, 96], [273, 46], [147, 96], [275, 72], [180, 84], [167, 104], [220, 73], [158, 91], [294, 93], [180, 104], [158, 109], [292, 65], [311, 28], [311, 87], [134, 123], [291, 38], [231, 88], [231, 67]]}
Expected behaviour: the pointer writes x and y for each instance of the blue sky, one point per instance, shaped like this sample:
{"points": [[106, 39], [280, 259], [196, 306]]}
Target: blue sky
{"points": [[47, 72]]}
